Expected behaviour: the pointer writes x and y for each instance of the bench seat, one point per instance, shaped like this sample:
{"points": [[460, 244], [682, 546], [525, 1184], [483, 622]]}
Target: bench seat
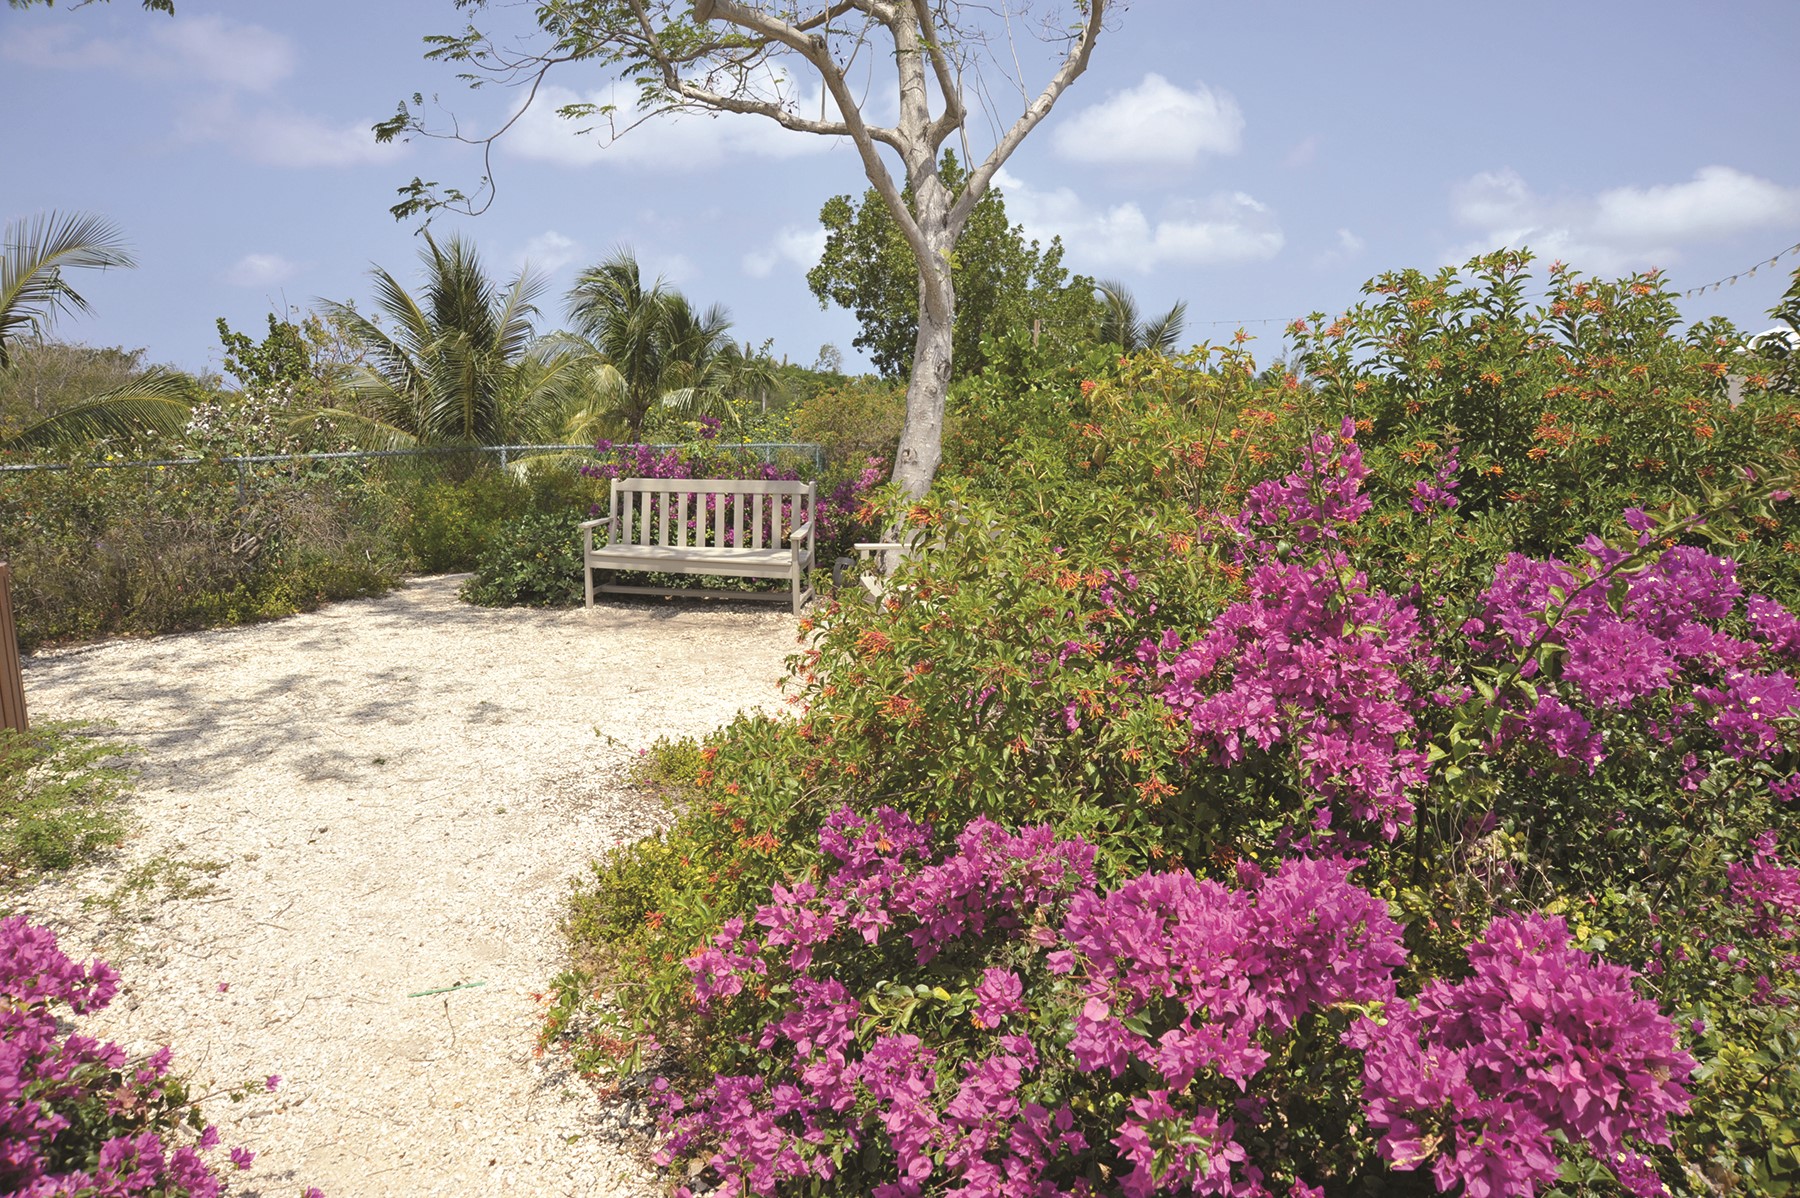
{"points": [[752, 563]]}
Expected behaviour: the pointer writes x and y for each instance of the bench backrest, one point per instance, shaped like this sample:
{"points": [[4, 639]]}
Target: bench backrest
{"points": [[720, 513]]}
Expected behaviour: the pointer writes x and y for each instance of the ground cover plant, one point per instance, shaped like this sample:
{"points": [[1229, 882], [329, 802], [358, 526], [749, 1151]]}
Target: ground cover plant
{"points": [[1266, 782], [60, 787]]}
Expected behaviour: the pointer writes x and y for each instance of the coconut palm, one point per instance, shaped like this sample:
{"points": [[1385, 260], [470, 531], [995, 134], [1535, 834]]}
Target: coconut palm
{"points": [[1120, 324], [157, 401], [658, 348], [34, 292], [455, 367]]}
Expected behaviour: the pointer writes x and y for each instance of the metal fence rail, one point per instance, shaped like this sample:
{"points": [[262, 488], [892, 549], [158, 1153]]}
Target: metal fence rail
{"points": [[767, 450]]}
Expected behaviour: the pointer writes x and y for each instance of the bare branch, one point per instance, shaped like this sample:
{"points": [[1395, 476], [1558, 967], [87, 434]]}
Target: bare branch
{"points": [[954, 113], [814, 49], [1073, 65]]}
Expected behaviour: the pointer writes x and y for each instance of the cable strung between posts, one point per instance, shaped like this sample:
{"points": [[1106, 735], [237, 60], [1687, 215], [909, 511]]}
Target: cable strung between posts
{"points": [[1749, 273]]}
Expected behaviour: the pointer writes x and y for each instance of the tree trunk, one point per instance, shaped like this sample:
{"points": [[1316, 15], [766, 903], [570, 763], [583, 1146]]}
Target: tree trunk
{"points": [[922, 437]]}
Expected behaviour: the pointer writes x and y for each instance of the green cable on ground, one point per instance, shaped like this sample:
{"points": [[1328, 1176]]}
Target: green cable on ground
{"points": [[447, 989]]}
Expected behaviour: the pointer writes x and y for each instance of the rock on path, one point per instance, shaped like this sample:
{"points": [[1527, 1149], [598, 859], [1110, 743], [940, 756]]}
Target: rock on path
{"points": [[393, 793]]}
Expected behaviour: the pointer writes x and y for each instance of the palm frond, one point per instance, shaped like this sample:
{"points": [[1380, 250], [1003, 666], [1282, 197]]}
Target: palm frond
{"points": [[365, 432], [33, 291], [154, 402], [1164, 333]]}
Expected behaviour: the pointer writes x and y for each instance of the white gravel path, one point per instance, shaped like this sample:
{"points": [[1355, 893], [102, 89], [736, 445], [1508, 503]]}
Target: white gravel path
{"points": [[397, 790]]}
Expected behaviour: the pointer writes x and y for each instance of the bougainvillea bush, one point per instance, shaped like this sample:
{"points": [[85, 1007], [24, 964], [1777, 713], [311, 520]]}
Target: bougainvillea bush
{"points": [[77, 1116], [1261, 811]]}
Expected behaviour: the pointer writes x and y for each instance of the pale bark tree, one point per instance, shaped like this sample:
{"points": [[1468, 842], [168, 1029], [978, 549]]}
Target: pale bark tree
{"points": [[730, 56]]}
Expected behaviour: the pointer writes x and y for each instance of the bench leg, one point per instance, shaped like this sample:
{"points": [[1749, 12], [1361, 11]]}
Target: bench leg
{"points": [[587, 574]]}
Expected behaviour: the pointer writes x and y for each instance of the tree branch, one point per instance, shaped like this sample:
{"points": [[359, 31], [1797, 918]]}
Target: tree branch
{"points": [[954, 113], [813, 48], [1073, 65]]}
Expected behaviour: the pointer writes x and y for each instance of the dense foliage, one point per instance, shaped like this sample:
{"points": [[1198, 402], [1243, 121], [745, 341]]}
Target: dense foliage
{"points": [[1002, 280], [1374, 778]]}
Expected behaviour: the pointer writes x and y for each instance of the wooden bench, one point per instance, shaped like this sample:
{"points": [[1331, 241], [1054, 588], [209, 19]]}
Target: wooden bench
{"points": [[744, 528]]}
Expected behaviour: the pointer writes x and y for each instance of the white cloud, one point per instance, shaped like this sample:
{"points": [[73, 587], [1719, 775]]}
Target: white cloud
{"points": [[1153, 124], [1304, 151], [1347, 248], [1225, 227], [1717, 202], [797, 245], [209, 48], [684, 141], [241, 56], [261, 270], [61, 47], [278, 137], [548, 252], [1621, 229]]}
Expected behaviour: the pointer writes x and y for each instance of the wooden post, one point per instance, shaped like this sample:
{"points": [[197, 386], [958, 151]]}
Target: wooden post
{"points": [[1037, 326], [12, 678]]}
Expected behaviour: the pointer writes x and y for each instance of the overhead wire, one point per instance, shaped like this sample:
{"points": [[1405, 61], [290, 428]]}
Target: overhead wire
{"points": [[1747, 273]]}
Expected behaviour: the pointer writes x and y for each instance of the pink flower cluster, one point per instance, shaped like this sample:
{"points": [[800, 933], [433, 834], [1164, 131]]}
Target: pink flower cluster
{"points": [[763, 1132], [1190, 978], [1314, 658], [1769, 889], [1313, 502], [1438, 491], [1177, 989], [1626, 635], [54, 1085], [1540, 1041]]}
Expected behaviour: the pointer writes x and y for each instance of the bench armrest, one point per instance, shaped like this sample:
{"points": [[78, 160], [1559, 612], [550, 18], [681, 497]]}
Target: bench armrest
{"points": [[802, 533], [587, 538], [877, 546]]}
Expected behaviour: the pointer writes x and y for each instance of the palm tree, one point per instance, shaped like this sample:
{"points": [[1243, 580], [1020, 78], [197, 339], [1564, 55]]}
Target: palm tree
{"points": [[1120, 325], [655, 347], [455, 369], [34, 292]]}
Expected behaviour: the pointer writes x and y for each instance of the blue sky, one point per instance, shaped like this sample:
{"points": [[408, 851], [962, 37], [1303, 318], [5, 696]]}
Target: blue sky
{"points": [[1258, 160]]}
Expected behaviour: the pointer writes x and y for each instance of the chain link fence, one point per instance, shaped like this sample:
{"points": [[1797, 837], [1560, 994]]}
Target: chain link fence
{"points": [[505, 456]]}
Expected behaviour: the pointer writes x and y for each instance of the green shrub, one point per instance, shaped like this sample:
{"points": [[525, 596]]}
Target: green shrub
{"points": [[60, 787], [1019, 671], [853, 422], [531, 561], [99, 552], [449, 522]]}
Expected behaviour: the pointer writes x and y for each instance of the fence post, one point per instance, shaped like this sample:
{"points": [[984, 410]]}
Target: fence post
{"points": [[12, 678]]}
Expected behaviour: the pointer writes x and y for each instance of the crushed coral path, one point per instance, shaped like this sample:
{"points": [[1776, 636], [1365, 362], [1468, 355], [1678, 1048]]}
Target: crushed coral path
{"points": [[342, 809]]}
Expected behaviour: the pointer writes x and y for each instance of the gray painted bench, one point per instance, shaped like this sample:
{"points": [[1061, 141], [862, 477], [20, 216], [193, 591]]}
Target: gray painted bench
{"points": [[744, 528]]}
